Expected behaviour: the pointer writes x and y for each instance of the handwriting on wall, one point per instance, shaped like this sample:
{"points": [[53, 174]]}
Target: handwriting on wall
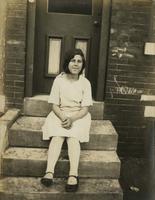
{"points": [[121, 52], [124, 90]]}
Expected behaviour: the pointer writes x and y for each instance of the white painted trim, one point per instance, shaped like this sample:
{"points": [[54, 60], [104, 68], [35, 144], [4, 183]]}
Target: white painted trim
{"points": [[149, 111], [147, 97], [149, 48]]}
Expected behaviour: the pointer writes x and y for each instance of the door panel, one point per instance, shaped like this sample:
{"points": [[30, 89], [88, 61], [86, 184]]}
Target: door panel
{"points": [[58, 32]]}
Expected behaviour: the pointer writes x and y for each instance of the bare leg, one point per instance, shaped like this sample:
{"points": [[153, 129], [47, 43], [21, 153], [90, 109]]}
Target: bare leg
{"points": [[74, 156]]}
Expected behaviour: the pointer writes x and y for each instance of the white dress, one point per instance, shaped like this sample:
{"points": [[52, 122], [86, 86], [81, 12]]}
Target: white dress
{"points": [[70, 96]]}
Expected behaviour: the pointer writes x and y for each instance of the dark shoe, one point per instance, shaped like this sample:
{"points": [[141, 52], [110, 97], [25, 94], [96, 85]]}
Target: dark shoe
{"points": [[72, 188], [47, 181]]}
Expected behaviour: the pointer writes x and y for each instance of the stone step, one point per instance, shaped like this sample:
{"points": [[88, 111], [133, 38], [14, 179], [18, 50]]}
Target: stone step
{"points": [[27, 188], [26, 132], [38, 106], [32, 162]]}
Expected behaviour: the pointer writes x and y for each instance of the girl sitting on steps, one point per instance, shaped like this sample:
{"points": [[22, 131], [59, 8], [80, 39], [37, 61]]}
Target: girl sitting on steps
{"points": [[69, 118]]}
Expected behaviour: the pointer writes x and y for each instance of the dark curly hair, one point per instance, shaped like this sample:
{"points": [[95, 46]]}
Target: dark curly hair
{"points": [[69, 55]]}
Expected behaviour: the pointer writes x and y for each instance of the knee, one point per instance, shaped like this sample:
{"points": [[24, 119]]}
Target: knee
{"points": [[57, 139], [73, 142], [71, 139]]}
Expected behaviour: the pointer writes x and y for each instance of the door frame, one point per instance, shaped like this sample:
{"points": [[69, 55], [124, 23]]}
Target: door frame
{"points": [[103, 49]]}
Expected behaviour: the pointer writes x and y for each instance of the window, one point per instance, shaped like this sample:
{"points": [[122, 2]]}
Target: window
{"points": [[82, 44], [54, 55], [70, 6]]}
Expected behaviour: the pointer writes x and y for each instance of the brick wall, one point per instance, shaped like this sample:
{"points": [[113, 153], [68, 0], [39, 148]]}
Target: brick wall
{"points": [[2, 52], [130, 73], [15, 52], [153, 22]]}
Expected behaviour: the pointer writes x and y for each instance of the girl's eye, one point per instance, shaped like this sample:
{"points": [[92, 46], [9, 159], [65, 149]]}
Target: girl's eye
{"points": [[79, 61]]}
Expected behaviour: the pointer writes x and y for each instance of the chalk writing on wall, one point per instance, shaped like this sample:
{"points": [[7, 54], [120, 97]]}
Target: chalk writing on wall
{"points": [[121, 52], [124, 90]]}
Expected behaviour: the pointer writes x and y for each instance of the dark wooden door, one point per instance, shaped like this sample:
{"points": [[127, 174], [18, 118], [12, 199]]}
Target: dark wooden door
{"points": [[61, 25]]}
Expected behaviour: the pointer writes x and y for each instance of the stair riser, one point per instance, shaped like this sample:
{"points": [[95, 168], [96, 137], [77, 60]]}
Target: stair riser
{"points": [[42, 108], [30, 188], [37, 168], [63, 196], [34, 139]]}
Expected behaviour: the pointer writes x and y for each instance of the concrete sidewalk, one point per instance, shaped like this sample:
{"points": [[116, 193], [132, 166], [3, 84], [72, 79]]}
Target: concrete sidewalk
{"points": [[135, 180]]}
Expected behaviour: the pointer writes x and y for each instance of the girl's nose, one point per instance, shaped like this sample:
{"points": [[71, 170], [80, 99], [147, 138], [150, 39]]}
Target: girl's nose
{"points": [[76, 62]]}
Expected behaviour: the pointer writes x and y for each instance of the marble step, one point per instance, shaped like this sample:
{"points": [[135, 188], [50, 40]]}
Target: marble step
{"points": [[26, 132], [32, 162], [38, 106], [28, 188]]}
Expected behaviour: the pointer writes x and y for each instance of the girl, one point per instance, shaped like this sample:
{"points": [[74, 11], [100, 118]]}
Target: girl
{"points": [[69, 118]]}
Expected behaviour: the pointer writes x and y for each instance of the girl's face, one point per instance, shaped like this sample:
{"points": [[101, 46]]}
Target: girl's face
{"points": [[75, 65]]}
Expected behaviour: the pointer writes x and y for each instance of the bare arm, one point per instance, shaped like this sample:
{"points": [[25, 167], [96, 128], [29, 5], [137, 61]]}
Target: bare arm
{"points": [[82, 112], [67, 121], [58, 112]]}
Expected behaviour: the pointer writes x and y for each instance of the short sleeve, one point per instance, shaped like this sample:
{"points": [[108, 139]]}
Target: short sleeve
{"points": [[87, 94], [55, 93]]}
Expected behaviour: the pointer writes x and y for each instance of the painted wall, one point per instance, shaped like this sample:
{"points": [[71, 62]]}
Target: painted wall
{"points": [[130, 73]]}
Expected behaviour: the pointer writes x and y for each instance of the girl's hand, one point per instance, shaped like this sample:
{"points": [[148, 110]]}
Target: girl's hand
{"points": [[63, 118], [67, 123]]}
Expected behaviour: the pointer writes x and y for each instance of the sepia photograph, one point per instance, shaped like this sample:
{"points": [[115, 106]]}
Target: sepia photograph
{"points": [[77, 99]]}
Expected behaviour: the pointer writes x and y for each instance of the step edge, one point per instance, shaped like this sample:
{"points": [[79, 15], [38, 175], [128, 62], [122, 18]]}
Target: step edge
{"points": [[32, 180], [8, 156], [112, 132], [14, 129]]}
